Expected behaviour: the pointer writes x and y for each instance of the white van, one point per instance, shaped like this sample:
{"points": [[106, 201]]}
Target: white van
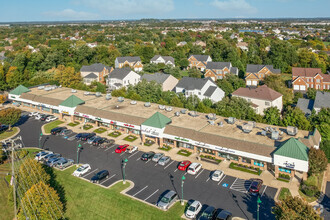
{"points": [[194, 168]]}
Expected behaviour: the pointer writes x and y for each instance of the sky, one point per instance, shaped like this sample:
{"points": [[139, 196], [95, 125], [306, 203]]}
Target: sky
{"points": [[70, 10]]}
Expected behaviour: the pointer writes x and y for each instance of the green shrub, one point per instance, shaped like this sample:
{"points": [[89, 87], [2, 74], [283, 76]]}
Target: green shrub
{"points": [[130, 138], [310, 190], [235, 166], [114, 134], [73, 124], [100, 130], [185, 153], [87, 127], [165, 148]]}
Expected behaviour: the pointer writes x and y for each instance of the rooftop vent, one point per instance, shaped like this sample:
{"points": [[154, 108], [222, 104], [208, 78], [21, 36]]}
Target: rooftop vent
{"points": [[183, 111], [220, 124], [48, 88], [120, 99], [147, 104], [73, 91], [292, 130], [41, 87], [177, 114], [98, 94], [108, 96], [231, 120], [87, 93], [253, 123], [193, 114], [275, 135], [212, 116], [169, 109], [161, 107], [133, 102], [211, 122], [247, 128]]}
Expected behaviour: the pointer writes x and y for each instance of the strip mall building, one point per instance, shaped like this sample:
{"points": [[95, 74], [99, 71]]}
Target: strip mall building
{"points": [[170, 126]]}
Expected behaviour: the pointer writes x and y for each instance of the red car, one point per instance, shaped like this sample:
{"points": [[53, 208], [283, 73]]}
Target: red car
{"points": [[184, 165], [121, 148], [255, 186]]}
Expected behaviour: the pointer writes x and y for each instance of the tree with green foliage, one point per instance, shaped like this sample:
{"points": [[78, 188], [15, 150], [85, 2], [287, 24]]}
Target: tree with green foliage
{"points": [[10, 116], [295, 117], [297, 95], [176, 102], [317, 161], [272, 116], [322, 122], [119, 92], [277, 83], [325, 146], [294, 208], [311, 93]]}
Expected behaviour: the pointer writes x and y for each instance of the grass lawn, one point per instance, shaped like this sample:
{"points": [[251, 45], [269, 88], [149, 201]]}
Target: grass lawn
{"points": [[100, 130], [315, 181], [114, 134], [87, 127], [184, 153], [5, 134], [73, 124], [48, 127], [89, 201], [165, 148], [130, 138], [284, 193]]}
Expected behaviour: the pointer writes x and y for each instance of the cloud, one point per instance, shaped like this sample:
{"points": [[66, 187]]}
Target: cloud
{"points": [[240, 7], [121, 8], [70, 14]]}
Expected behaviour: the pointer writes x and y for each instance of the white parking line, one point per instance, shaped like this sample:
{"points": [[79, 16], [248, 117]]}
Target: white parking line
{"points": [[151, 194], [169, 164], [156, 164], [263, 191], [105, 180], [175, 170], [208, 179], [147, 161], [113, 151], [199, 174], [233, 182], [140, 191], [222, 179], [133, 154], [138, 159], [90, 172]]}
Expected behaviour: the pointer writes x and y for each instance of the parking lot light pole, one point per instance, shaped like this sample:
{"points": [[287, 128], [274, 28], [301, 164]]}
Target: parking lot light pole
{"points": [[258, 206], [78, 150], [182, 181], [40, 139], [124, 161]]}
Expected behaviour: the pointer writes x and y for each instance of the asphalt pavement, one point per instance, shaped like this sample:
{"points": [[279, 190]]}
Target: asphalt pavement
{"points": [[152, 180]]}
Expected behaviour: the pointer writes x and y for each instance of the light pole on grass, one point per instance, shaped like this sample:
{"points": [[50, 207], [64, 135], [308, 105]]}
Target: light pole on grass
{"points": [[182, 181], [124, 162], [40, 137], [258, 206]]}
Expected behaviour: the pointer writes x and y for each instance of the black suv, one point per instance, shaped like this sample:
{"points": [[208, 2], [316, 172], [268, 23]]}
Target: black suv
{"points": [[99, 176], [79, 135], [57, 130], [99, 141], [86, 136], [147, 156]]}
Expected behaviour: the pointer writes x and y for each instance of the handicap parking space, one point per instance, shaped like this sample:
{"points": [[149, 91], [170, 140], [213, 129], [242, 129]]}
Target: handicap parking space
{"points": [[241, 185]]}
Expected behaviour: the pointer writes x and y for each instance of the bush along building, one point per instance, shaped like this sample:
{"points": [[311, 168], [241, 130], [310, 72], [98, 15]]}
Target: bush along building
{"points": [[247, 144]]}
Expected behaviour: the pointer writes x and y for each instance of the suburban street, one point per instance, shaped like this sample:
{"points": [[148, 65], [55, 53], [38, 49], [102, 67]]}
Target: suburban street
{"points": [[152, 180]]}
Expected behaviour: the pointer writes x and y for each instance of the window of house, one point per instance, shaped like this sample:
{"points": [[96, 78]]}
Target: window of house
{"points": [[307, 79], [267, 103], [312, 86]]}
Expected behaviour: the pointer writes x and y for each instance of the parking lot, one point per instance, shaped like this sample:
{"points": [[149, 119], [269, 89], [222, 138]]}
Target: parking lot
{"points": [[151, 179]]}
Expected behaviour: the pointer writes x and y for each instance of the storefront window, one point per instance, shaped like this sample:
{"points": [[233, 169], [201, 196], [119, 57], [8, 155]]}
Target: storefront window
{"points": [[105, 124], [208, 151], [136, 132], [26, 104], [89, 120], [220, 154], [168, 141], [258, 163], [46, 109], [284, 170], [55, 111], [246, 160], [185, 145]]}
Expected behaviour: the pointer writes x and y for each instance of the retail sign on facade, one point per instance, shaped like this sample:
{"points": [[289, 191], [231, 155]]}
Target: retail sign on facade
{"points": [[289, 165], [65, 112], [77, 113], [128, 125], [98, 118]]}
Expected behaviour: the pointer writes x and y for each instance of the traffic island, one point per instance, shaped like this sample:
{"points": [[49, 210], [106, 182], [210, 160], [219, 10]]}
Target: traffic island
{"points": [[148, 142], [165, 148], [114, 134], [184, 153], [100, 130], [130, 138], [87, 127], [9, 134]]}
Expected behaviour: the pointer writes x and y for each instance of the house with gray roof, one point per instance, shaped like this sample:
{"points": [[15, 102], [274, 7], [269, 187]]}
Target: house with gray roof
{"points": [[167, 81], [95, 72], [123, 77], [132, 62], [256, 73], [167, 60], [322, 100], [202, 88], [199, 61], [218, 70]]}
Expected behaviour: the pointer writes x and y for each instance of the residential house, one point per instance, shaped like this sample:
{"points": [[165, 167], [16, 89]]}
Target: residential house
{"points": [[218, 70], [10, 48], [132, 62], [92, 45], [199, 61], [243, 45], [322, 100], [167, 60], [304, 78], [167, 81], [122, 77], [199, 43], [95, 72], [256, 73], [181, 44], [261, 98], [202, 88]]}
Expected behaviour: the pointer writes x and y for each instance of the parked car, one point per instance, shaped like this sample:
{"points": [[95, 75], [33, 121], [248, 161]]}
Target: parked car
{"points": [[99, 141], [57, 130], [164, 160], [194, 168], [255, 186], [79, 135], [42, 154], [90, 140], [66, 132], [109, 143], [49, 156], [157, 157], [193, 209], [51, 118], [51, 162], [99, 176], [184, 165], [121, 148], [87, 136], [38, 116], [44, 117], [208, 213], [217, 175], [82, 170], [33, 113], [65, 163], [167, 200], [131, 149], [147, 156], [224, 215]]}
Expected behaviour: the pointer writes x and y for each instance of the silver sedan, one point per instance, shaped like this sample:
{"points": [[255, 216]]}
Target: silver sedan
{"points": [[164, 160]]}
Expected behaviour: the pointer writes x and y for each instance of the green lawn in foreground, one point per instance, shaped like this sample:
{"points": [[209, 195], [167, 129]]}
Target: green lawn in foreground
{"points": [[6, 210], [89, 201], [284, 193], [5, 134], [48, 127]]}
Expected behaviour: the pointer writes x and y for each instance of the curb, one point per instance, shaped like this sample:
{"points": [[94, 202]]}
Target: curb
{"points": [[18, 131]]}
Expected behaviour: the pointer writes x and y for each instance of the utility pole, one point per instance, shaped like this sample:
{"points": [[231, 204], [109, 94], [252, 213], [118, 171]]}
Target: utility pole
{"points": [[13, 172], [258, 206], [182, 181], [78, 150], [124, 162]]}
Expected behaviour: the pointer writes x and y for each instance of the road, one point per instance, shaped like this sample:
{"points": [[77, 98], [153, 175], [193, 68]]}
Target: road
{"points": [[152, 180]]}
